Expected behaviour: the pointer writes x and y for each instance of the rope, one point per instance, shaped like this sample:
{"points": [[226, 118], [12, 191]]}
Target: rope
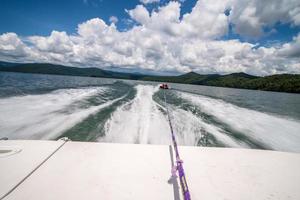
{"points": [[179, 165]]}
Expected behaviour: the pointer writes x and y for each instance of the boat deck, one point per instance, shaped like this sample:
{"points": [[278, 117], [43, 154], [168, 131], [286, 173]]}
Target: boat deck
{"points": [[39, 170]]}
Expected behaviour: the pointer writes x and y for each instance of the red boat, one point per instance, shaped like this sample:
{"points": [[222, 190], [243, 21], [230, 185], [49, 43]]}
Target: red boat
{"points": [[164, 86]]}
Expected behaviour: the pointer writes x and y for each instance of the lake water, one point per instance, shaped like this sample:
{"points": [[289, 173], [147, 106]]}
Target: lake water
{"points": [[122, 111]]}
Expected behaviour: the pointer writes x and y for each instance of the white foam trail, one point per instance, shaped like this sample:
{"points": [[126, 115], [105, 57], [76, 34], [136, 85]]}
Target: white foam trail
{"points": [[187, 128], [74, 118], [276, 132], [42, 116], [138, 121]]}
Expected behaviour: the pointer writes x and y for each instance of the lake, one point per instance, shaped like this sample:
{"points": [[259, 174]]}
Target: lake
{"points": [[47, 107]]}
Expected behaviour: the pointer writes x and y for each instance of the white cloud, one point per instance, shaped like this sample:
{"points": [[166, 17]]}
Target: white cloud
{"points": [[250, 17], [139, 14], [207, 19], [12, 46], [291, 49], [113, 19], [149, 1], [164, 41], [57, 42], [92, 27]]}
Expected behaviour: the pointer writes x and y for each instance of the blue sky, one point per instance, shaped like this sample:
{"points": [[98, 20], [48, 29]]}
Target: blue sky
{"points": [[35, 18]]}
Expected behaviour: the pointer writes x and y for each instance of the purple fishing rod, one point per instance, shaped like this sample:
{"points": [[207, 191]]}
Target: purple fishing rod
{"points": [[179, 165]]}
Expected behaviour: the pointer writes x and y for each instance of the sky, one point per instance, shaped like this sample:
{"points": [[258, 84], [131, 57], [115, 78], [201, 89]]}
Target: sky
{"points": [[155, 36]]}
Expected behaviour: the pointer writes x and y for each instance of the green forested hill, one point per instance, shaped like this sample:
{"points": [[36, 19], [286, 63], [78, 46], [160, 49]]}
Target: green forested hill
{"points": [[280, 82], [45, 68]]}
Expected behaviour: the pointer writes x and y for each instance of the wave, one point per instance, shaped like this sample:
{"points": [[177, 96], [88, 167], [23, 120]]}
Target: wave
{"points": [[143, 120], [121, 114], [192, 130], [138, 121], [48, 115], [275, 132]]}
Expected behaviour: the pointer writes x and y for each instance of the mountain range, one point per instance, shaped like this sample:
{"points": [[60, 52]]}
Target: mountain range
{"points": [[279, 82]]}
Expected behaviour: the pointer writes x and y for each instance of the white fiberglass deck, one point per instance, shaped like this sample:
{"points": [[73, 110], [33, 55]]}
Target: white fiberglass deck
{"points": [[80, 170]]}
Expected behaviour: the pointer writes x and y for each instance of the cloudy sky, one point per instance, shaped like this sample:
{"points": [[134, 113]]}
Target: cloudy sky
{"points": [[259, 37]]}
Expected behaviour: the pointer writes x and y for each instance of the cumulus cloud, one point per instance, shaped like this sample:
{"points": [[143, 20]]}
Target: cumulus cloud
{"points": [[57, 42], [12, 46], [113, 19], [92, 28], [207, 19], [163, 40], [291, 49], [140, 14], [149, 1], [250, 17]]}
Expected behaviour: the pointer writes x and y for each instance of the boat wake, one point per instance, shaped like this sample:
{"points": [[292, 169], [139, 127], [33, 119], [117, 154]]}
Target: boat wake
{"points": [[198, 120], [138, 121], [45, 116], [123, 113], [271, 131]]}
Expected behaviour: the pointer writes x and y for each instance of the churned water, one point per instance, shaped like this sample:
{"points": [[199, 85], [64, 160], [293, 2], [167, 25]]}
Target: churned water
{"points": [[122, 111]]}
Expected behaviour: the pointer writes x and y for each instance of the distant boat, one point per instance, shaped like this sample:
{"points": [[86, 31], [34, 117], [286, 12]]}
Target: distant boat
{"points": [[164, 86]]}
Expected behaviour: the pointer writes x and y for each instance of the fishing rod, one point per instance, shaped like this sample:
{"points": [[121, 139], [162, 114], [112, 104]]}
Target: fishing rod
{"points": [[179, 162]]}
